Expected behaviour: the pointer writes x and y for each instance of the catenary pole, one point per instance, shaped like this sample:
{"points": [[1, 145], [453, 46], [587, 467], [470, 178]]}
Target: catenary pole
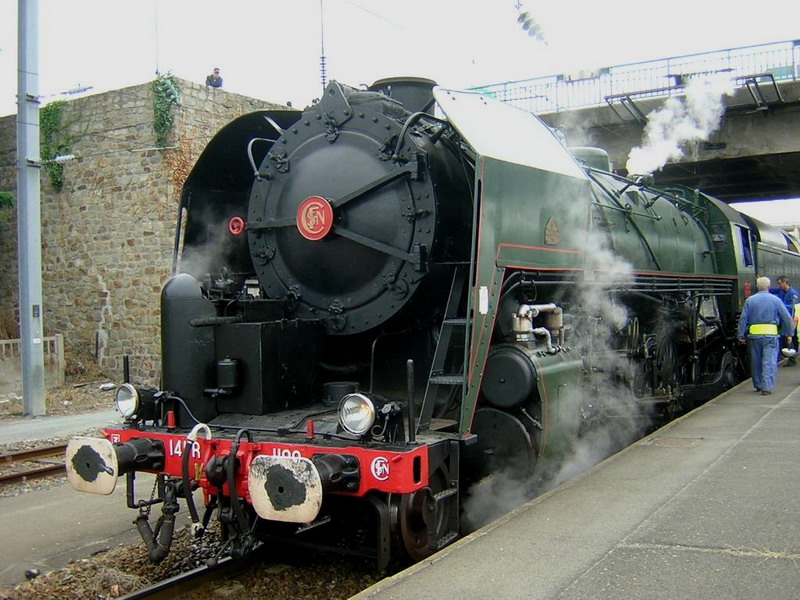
{"points": [[29, 236]]}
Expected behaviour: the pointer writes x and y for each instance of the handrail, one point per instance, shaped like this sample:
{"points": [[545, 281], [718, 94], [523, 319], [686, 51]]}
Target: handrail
{"points": [[653, 78]]}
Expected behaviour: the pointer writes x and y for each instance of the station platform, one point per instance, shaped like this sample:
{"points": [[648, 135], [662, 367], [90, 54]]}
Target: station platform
{"points": [[29, 429], [706, 507], [47, 527]]}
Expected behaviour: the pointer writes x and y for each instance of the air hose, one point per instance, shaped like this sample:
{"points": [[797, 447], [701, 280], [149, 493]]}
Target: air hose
{"points": [[158, 542], [230, 469], [197, 528]]}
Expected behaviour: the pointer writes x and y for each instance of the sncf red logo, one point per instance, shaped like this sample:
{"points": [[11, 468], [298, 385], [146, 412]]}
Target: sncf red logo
{"points": [[236, 226], [314, 218], [380, 468]]}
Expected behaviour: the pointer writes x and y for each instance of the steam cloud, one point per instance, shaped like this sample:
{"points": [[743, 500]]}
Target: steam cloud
{"points": [[599, 319], [619, 418], [214, 253], [679, 122]]}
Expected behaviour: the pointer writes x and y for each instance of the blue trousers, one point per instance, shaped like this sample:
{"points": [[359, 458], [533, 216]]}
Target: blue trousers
{"points": [[763, 360]]}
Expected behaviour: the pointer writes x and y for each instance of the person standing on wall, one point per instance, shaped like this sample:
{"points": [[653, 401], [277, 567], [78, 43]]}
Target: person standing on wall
{"points": [[215, 79], [791, 300], [763, 317]]}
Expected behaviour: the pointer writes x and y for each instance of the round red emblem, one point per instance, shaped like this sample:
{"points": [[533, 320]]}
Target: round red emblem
{"points": [[236, 225], [314, 218]]}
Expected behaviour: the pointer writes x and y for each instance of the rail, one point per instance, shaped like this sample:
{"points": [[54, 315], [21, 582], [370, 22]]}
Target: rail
{"points": [[198, 578], [23, 465], [184, 583], [649, 79]]}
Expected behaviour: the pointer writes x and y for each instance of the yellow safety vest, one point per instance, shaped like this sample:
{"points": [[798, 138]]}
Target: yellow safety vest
{"points": [[764, 329]]}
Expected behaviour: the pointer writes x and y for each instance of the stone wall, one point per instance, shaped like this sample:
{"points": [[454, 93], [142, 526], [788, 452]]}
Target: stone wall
{"points": [[108, 233]]}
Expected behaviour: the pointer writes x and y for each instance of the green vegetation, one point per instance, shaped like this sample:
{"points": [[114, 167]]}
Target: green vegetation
{"points": [[6, 199], [165, 90], [55, 141]]}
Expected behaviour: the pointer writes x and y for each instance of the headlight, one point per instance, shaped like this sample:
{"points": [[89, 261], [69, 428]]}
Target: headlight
{"points": [[356, 413], [127, 400]]}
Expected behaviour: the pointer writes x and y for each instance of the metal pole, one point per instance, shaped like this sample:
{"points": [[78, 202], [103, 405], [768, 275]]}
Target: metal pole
{"points": [[29, 246], [412, 409], [322, 66]]}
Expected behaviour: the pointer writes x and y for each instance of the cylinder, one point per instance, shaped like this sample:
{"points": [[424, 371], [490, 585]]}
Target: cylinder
{"points": [[554, 320], [509, 378], [187, 353], [228, 374]]}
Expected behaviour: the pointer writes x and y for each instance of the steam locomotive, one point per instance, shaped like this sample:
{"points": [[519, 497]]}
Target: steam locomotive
{"points": [[401, 291]]}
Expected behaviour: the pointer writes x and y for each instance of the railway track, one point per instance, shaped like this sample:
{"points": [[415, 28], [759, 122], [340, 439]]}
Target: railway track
{"points": [[22, 465], [305, 574], [184, 583]]}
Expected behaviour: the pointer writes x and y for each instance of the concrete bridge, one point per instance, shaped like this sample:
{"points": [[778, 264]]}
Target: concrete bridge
{"points": [[754, 152]]}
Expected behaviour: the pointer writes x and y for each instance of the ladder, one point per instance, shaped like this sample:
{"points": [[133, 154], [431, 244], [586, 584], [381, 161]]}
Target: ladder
{"points": [[453, 324]]}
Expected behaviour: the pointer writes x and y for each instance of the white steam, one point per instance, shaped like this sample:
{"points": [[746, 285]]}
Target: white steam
{"points": [[492, 497], [598, 325], [619, 419], [208, 255], [679, 122]]}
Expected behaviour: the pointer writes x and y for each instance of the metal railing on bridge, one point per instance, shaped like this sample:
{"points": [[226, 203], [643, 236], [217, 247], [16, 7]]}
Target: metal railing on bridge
{"points": [[765, 63]]}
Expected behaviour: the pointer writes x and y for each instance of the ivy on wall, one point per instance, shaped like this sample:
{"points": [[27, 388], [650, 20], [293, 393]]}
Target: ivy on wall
{"points": [[166, 95], [6, 199], [54, 141], [6, 204]]}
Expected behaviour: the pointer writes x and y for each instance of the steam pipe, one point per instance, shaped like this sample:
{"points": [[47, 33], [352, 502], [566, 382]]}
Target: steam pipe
{"points": [[252, 160], [409, 122], [533, 310], [545, 333], [209, 321]]}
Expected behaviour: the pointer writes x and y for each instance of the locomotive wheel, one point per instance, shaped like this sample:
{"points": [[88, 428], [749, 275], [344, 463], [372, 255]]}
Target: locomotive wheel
{"points": [[503, 446], [415, 518], [667, 363]]}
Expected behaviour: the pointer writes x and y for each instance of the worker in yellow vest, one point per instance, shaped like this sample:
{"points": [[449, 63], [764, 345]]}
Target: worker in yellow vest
{"points": [[764, 317]]}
